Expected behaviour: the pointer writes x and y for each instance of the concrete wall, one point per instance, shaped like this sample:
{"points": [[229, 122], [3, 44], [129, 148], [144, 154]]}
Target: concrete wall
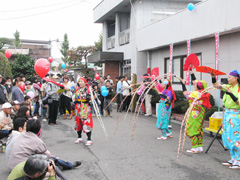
{"points": [[208, 18], [229, 55]]}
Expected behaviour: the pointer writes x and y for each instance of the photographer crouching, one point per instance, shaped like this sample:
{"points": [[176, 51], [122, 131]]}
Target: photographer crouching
{"points": [[35, 168]]}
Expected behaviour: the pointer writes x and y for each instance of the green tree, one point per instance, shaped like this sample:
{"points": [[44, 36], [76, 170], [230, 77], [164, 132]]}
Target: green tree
{"points": [[17, 42], [64, 48], [5, 68], [4, 41], [23, 64], [98, 44]]}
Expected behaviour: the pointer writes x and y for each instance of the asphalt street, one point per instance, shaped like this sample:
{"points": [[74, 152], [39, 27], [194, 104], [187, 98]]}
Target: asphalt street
{"points": [[124, 158]]}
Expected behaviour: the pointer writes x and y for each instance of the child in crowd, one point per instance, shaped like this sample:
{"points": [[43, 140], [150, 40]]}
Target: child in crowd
{"points": [[108, 99]]}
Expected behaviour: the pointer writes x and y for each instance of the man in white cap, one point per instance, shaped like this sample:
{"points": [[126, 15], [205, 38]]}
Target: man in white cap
{"points": [[3, 97], [6, 124]]}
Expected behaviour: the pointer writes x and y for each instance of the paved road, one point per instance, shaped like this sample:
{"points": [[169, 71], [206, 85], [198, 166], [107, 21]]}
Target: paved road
{"points": [[121, 158]]}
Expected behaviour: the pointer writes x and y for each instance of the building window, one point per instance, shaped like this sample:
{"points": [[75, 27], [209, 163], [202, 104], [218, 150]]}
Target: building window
{"points": [[126, 68], [178, 62]]}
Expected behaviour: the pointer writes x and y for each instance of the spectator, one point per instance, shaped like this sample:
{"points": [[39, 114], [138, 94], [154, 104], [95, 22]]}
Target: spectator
{"points": [[96, 94], [126, 93], [71, 81], [28, 102], [116, 80], [28, 143], [23, 112], [108, 99], [44, 106], [35, 167], [23, 78], [66, 98], [36, 89], [148, 98], [6, 124], [29, 87], [16, 106], [19, 126], [8, 86], [120, 93], [102, 83], [3, 97], [109, 79], [52, 92], [17, 94]]}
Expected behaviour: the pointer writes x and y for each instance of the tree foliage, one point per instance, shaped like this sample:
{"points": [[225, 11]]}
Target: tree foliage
{"points": [[98, 44], [17, 42], [4, 41], [23, 64], [5, 68], [64, 48]]}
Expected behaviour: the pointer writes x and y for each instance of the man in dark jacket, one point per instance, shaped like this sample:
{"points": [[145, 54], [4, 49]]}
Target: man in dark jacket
{"points": [[108, 99]]}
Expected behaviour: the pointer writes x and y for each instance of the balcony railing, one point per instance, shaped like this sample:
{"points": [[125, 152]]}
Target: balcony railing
{"points": [[124, 37], [111, 42]]}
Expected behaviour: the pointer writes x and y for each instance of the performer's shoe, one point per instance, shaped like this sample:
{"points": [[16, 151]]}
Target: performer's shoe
{"points": [[89, 143], [200, 149], [169, 126], [228, 163], [169, 135], [235, 165], [147, 114], [193, 150], [79, 140], [162, 138]]}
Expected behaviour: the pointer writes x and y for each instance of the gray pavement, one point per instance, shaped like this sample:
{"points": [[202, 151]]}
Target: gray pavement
{"points": [[121, 158]]}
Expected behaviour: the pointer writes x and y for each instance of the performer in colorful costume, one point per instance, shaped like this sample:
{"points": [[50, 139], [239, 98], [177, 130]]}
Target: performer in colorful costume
{"points": [[166, 103], [194, 125], [231, 119], [83, 114]]}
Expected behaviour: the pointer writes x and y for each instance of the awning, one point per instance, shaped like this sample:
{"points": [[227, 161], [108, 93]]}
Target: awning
{"points": [[102, 57]]}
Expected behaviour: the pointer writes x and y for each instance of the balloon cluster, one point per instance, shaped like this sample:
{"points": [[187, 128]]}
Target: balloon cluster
{"points": [[104, 91]]}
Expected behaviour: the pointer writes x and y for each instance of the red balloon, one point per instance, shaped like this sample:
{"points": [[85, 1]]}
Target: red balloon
{"points": [[70, 65], [22, 87], [8, 53], [50, 59], [67, 70], [42, 67], [97, 76]]}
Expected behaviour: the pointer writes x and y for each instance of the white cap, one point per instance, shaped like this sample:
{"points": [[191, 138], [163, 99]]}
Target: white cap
{"points": [[55, 76], [6, 105], [16, 102]]}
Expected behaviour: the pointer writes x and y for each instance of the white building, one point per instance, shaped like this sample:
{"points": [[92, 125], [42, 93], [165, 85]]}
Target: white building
{"points": [[143, 31]]}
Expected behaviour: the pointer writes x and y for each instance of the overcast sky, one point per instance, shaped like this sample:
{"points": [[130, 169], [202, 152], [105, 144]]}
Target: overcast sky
{"points": [[49, 20]]}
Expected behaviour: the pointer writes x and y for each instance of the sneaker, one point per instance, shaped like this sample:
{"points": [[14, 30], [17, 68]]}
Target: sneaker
{"points": [[111, 115], [200, 149], [162, 138], [169, 135], [235, 165], [170, 126], [228, 163], [193, 150], [147, 114], [44, 120], [89, 143], [79, 140], [76, 163]]}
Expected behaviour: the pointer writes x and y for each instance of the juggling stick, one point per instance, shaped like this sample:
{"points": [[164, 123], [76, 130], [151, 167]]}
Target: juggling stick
{"points": [[98, 114]]}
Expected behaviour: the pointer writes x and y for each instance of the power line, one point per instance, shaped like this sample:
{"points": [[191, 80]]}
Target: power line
{"points": [[39, 7], [46, 12]]}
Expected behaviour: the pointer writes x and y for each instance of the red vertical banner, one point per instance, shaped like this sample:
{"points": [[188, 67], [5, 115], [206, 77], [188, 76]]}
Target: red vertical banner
{"points": [[217, 53], [188, 53], [171, 61]]}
